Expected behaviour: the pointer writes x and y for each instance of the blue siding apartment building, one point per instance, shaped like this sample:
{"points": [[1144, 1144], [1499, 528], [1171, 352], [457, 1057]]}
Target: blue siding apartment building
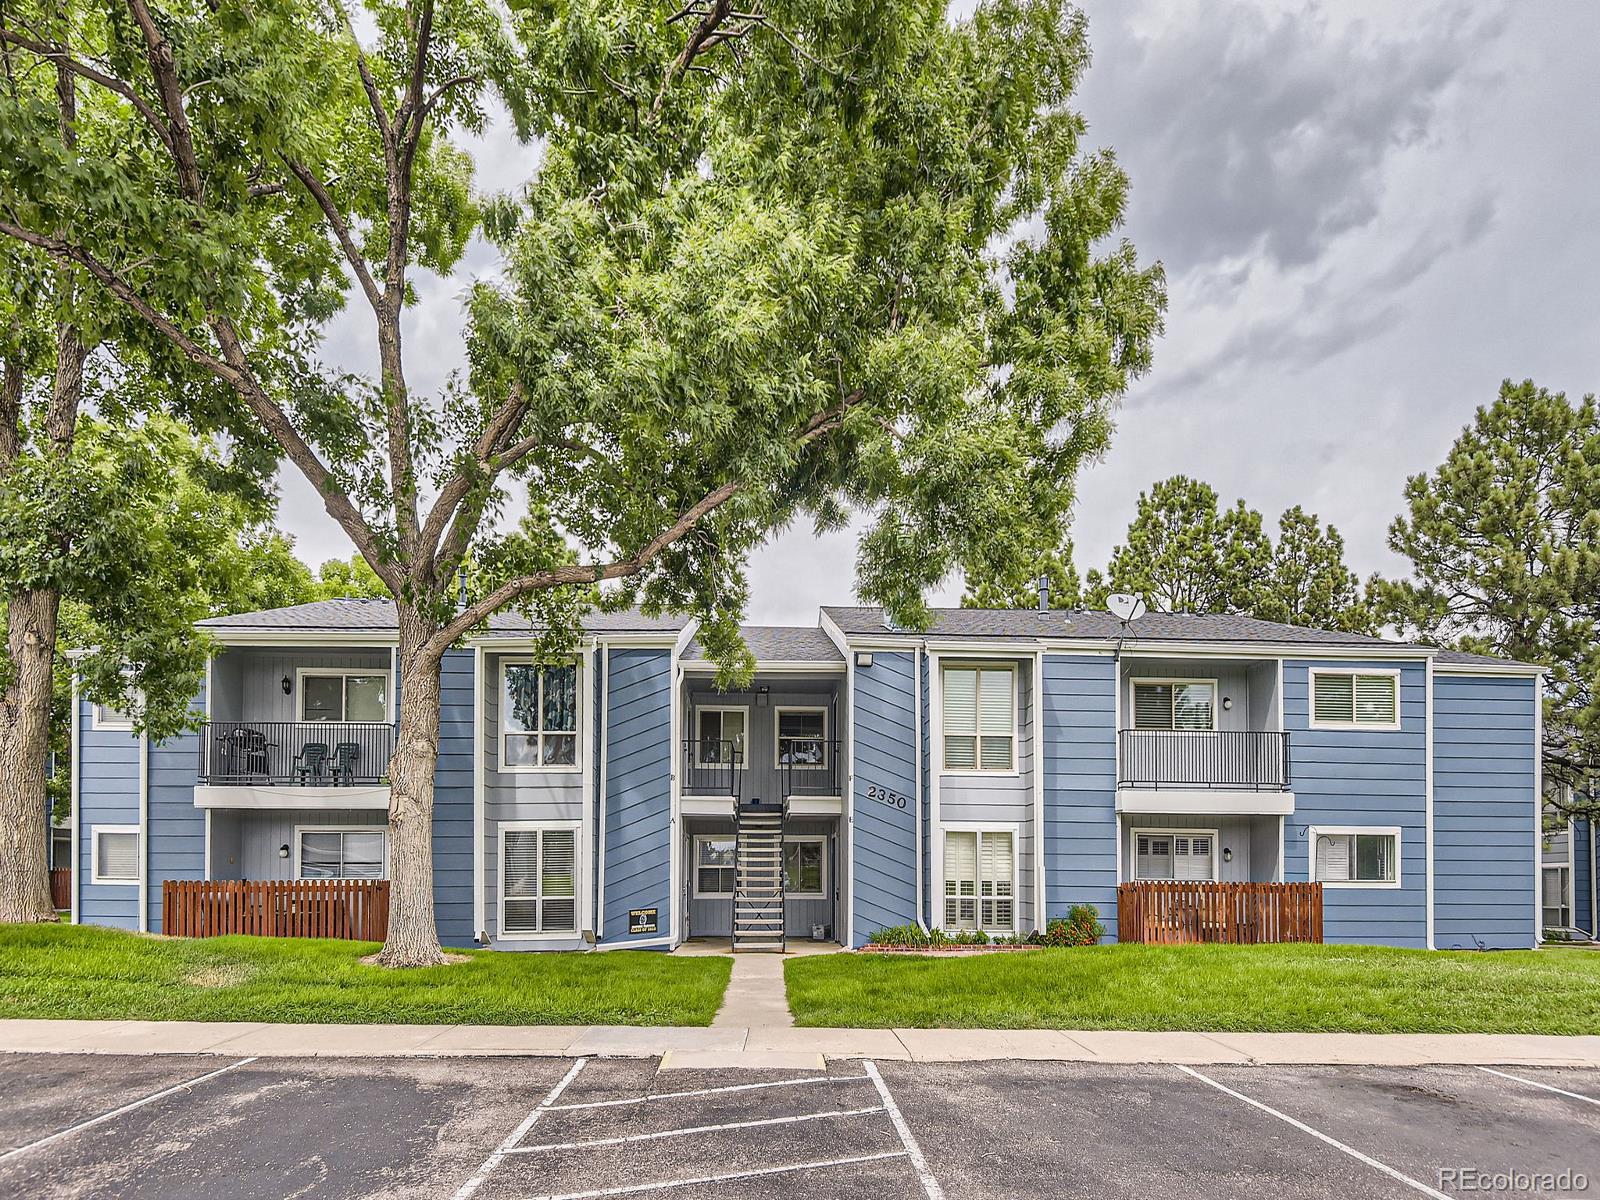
{"points": [[988, 773]]}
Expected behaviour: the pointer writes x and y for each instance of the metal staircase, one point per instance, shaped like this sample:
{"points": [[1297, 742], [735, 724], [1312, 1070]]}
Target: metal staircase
{"points": [[758, 877]]}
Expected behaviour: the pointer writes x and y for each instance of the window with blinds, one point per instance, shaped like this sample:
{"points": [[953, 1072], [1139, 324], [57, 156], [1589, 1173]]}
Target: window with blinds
{"points": [[979, 880], [979, 718], [1357, 858], [1172, 855], [538, 881], [1175, 705], [1345, 698], [116, 855]]}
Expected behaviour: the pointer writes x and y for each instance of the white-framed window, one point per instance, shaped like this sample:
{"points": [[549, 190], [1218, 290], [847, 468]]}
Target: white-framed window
{"points": [[1175, 854], [538, 879], [714, 856], [1556, 897], [980, 879], [538, 716], [1355, 856], [805, 868], [341, 852], [343, 695], [110, 718], [114, 854], [1355, 699], [801, 737], [979, 718], [1185, 704], [720, 733]]}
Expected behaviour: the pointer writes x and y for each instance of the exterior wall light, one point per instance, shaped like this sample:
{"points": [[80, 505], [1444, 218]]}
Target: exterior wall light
{"points": [[283, 850], [863, 658], [288, 684]]}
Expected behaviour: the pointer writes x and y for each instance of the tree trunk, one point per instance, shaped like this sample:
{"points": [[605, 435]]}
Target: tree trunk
{"points": [[24, 746], [413, 939]]}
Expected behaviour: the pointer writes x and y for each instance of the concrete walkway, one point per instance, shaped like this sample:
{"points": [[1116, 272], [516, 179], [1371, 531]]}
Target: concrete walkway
{"points": [[756, 997], [771, 1045]]}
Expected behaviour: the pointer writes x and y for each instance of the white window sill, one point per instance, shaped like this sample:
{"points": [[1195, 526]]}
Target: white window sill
{"points": [[1370, 884]]}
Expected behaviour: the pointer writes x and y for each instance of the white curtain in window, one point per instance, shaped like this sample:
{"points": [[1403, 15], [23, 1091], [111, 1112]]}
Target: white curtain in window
{"points": [[1333, 857], [118, 855]]}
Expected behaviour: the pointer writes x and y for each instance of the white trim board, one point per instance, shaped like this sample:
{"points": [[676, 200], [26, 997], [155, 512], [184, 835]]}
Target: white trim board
{"points": [[1204, 802], [279, 797]]}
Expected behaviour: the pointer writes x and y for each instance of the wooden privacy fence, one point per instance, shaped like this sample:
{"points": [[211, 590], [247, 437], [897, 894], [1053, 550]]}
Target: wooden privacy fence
{"points": [[357, 909], [1238, 913], [61, 887]]}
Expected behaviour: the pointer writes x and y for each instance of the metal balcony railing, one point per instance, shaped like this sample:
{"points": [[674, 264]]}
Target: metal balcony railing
{"points": [[810, 766], [712, 766], [1253, 760], [304, 753]]}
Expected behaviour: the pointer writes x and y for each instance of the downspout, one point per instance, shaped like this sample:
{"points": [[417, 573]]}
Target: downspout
{"points": [[603, 656], [74, 788], [479, 900], [144, 833], [1427, 800]]}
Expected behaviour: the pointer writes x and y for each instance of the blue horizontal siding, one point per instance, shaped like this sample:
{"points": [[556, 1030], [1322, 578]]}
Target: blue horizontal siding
{"points": [[452, 802], [177, 828], [1362, 777], [883, 870], [1484, 811], [107, 763], [1582, 877], [1080, 775], [638, 796]]}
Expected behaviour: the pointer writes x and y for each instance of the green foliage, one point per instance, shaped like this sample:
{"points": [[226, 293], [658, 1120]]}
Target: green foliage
{"points": [[1080, 927], [1184, 554], [1504, 543], [916, 937], [1020, 587]]}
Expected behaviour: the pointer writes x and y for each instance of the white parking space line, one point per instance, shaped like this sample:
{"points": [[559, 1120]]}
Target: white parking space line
{"points": [[1543, 1086], [930, 1185], [1320, 1136], [632, 1189], [672, 1133], [517, 1134], [738, 1087], [126, 1108]]}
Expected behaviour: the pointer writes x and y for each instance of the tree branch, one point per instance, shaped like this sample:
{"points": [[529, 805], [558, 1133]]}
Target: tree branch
{"points": [[500, 426], [579, 573], [341, 229], [84, 71], [709, 23]]}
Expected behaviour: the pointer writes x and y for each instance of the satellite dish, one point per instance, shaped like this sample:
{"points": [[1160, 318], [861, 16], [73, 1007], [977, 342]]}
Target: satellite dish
{"points": [[1124, 607]]}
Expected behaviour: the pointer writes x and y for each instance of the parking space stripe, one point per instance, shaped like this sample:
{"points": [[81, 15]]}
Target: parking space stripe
{"points": [[1543, 1086], [930, 1185], [672, 1133], [632, 1189], [126, 1108], [517, 1134], [738, 1087], [1320, 1136]]}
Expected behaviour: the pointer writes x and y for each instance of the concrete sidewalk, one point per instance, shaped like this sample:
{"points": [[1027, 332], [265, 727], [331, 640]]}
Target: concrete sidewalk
{"points": [[775, 1046]]}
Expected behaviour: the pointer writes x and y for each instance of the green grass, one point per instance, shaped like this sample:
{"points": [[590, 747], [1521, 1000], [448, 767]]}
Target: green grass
{"points": [[81, 971], [1357, 989]]}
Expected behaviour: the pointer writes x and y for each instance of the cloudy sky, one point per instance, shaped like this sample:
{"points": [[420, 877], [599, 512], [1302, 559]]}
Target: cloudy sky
{"points": [[1370, 214]]}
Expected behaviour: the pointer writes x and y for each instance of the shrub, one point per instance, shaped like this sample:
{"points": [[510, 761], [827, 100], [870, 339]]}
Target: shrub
{"points": [[913, 935], [1080, 927]]}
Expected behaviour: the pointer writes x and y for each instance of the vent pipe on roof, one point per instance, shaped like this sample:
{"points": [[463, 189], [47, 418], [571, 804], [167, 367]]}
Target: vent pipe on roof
{"points": [[461, 590], [1044, 593]]}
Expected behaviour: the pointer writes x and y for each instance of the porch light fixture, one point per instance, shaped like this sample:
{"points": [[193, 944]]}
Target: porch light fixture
{"points": [[761, 696], [283, 850], [1227, 704], [287, 685], [1227, 854]]}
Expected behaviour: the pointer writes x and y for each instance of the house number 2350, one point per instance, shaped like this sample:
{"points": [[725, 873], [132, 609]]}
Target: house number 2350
{"points": [[893, 799]]}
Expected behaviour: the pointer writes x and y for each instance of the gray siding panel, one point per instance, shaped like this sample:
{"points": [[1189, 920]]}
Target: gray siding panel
{"points": [[883, 838], [1484, 813], [1362, 777], [108, 794], [1080, 752], [452, 803], [638, 799], [1583, 878], [245, 842]]}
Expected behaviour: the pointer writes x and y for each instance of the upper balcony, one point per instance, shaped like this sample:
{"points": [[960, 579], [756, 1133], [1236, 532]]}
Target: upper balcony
{"points": [[297, 728], [716, 767], [1202, 736]]}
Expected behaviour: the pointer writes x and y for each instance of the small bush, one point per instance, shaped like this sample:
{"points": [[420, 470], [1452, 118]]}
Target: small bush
{"points": [[915, 936], [1080, 927]]}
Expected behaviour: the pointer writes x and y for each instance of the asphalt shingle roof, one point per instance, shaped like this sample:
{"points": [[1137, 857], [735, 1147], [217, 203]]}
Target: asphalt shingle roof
{"points": [[377, 616], [779, 643]]}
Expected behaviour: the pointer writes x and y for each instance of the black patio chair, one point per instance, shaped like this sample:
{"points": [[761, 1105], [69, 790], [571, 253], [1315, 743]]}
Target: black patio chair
{"points": [[309, 762], [244, 751], [346, 757]]}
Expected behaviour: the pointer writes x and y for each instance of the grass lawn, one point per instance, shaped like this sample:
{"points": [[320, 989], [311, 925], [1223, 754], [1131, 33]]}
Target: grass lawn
{"points": [[81, 971], [1356, 989]]}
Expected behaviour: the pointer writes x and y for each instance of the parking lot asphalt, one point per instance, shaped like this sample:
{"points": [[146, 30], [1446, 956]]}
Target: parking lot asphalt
{"points": [[515, 1128]]}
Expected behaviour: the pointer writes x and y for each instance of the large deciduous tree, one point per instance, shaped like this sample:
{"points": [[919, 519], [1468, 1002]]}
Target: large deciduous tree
{"points": [[770, 266], [1504, 543]]}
